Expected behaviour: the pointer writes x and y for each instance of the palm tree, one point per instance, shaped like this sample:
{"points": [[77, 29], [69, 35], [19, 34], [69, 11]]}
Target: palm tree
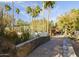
{"points": [[5, 20], [34, 12], [7, 8], [17, 11], [48, 5], [43, 14], [13, 20], [29, 10]]}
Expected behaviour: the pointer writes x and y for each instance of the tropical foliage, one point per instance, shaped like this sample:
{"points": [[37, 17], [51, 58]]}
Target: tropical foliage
{"points": [[69, 22], [17, 11], [28, 9], [75, 16], [33, 11], [13, 36], [7, 7], [49, 4]]}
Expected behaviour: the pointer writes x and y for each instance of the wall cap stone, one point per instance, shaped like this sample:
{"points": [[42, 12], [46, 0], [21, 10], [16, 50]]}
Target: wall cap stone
{"points": [[26, 42]]}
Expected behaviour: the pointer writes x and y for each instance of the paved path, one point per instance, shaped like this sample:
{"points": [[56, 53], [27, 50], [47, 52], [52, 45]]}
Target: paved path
{"points": [[67, 48], [53, 48]]}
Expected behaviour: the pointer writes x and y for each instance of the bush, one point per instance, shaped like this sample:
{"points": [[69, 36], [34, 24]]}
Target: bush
{"points": [[6, 46], [12, 36], [25, 36], [77, 37], [15, 38]]}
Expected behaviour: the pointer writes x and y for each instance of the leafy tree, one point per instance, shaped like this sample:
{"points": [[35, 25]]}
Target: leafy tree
{"points": [[69, 22], [75, 16], [66, 24]]}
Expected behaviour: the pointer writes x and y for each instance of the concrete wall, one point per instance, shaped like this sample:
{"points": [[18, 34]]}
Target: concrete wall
{"points": [[27, 47]]}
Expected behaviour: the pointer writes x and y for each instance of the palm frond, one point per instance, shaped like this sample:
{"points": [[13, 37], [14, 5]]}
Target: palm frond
{"points": [[29, 9], [7, 7], [17, 11]]}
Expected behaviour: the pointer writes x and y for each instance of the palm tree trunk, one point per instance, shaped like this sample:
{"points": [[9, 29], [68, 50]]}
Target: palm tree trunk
{"points": [[43, 16], [48, 20], [13, 20], [32, 24], [5, 12]]}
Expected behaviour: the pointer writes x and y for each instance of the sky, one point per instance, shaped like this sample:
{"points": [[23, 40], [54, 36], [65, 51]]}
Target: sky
{"points": [[61, 7]]}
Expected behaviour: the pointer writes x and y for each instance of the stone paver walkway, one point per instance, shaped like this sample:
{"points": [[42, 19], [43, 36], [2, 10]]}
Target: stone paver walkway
{"points": [[53, 48], [67, 49]]}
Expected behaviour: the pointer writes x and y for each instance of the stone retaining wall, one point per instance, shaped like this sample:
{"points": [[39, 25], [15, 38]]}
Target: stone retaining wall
{"points": [[27, 47], [76, 47]]}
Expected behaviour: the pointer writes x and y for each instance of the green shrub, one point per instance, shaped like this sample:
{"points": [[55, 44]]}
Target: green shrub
{"points": [[25, 36], [15, 38], [12, 36], [77, 37]]}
